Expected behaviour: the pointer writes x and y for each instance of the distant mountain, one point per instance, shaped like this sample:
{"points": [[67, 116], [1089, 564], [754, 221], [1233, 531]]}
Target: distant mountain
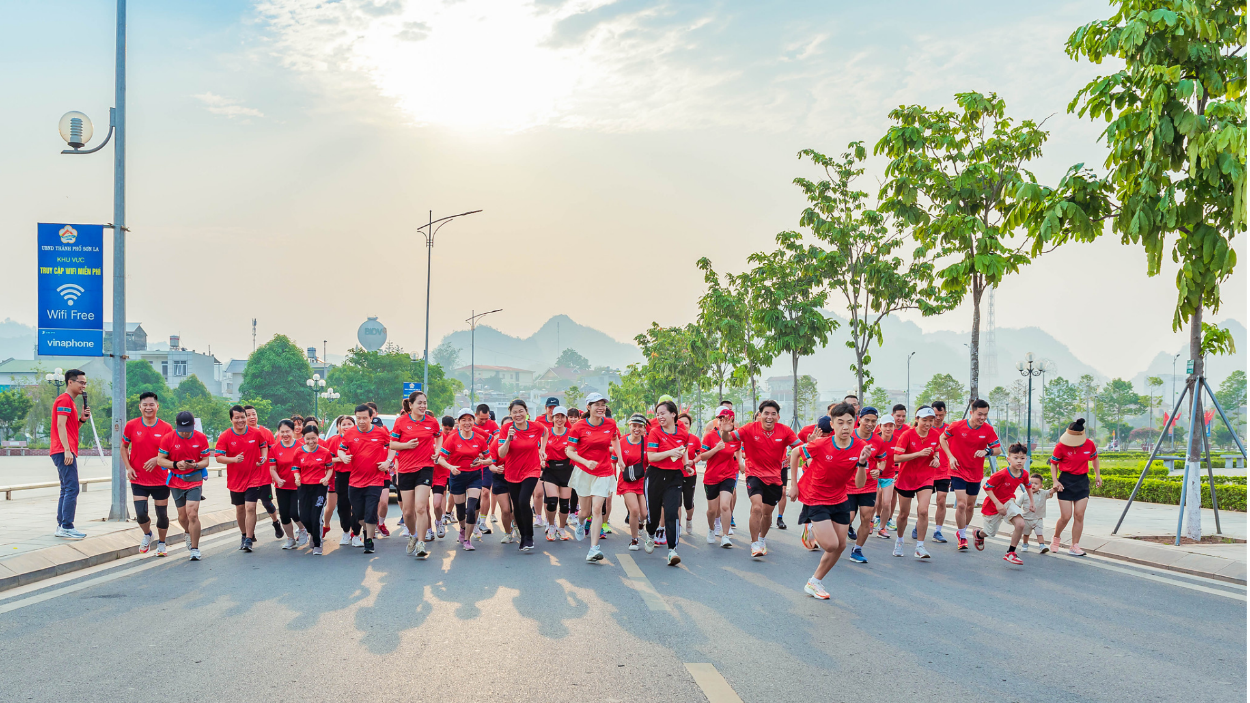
{"points": [[16, 340], [539, 351], [1218, 367]]}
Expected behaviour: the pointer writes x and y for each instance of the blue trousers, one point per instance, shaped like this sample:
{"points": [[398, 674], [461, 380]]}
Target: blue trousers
{"points": [[68, 503]]}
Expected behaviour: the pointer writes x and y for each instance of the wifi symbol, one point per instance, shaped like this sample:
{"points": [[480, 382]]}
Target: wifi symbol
{"points": [[70, 292]]}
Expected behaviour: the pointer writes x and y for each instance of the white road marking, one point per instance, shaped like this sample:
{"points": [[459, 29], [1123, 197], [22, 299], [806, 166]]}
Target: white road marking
{"points": [[642, 584], [713, 685]]}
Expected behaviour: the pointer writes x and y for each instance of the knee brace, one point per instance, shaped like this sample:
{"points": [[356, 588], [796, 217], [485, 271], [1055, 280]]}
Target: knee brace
{"points": [[460, 512], [269, 506], [162, 516], [141, 512], [471, 506], [564, 506], [551, 502]]}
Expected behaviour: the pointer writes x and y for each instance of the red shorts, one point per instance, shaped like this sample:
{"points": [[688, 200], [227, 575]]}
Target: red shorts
{"points": [[623, 486], [441, 476]]}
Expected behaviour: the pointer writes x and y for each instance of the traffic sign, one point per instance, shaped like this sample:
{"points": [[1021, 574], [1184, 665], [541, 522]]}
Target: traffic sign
{"points": [[410, 386], [71, 289], [1189, 366]]}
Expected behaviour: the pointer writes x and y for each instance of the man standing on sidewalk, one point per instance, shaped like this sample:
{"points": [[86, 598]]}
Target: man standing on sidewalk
{"points": [[65, 423]]}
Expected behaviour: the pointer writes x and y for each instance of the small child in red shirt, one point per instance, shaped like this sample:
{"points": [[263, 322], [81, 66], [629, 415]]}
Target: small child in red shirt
{"points": [[999, 504]]}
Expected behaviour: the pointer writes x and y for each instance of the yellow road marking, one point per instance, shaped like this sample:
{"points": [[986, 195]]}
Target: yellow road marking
{"points": [[642, 584], [714, 686]]}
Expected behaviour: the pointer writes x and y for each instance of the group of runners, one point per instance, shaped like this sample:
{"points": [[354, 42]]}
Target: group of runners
{"points": [[561, 470]]}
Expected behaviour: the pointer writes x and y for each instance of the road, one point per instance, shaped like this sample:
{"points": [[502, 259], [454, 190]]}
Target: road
{"points": [[498, 625]]}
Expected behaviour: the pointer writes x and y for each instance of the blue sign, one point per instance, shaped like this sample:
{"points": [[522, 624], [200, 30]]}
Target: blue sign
{"points": [[409, 387], [71, 290]]}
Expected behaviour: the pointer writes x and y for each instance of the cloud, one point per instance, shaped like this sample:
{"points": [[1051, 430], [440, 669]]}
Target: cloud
{"points": [[228, 107]]}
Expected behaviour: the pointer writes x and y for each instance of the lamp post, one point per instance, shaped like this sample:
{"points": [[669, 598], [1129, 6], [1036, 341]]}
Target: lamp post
{"points": [[473, 318], [1172, 422], [1026, 368], [56, 378], [314, 383], [909, 356], [329, 395], [428, 231]]}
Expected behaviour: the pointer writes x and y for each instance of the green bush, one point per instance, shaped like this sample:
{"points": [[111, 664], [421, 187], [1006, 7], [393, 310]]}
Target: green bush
{"points": [[1232, 496]]}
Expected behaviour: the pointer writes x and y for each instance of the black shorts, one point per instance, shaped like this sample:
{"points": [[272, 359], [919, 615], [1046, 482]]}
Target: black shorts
{"points": [[458, 485], [558, 472], [713, 490], [855, 501], [840, 513], [438, 489], [1073, 487], [365, 501], [911, 494], [154, 492], [785, 475], [251, 495], [970, 487], [942, 485], [420, 477], [500, 486], [264, 492], [769, 493]]}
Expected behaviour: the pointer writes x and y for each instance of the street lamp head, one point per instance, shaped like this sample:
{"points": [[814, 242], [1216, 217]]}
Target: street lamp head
{"points": [[1029, 357], [58, 372], [309, 383], [1020, 366], [316, 377], [75, 129]]}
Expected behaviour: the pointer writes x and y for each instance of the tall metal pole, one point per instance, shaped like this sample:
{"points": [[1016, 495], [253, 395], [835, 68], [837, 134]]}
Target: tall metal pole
{"points": [[1172, 422], [909, 356], [1028, 437], [472, 358], [429, 256], [117, 509]]}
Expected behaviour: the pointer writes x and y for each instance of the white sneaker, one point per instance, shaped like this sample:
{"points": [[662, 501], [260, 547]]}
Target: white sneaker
{"points": [[648, 543], [731, 531], [576, 525], [921, 552], [711, 537], [64, 533], [595, 554], [302, 538], [725, 542], [718, 530], [816, 589], [290, 543], [145, 543], [756, 550], [345, 540], [403, 531], [673, 559], [316, 551], [412, 546], [194, 554], [690, 527], [357, 541], [1024, 547], [506, 539], [764, 546], [161, 549], [442, 531], [429, 536], [421, 551], [187, 537], [898, 547]]}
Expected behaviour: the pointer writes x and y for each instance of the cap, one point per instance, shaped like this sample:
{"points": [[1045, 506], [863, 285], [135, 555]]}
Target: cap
{"points": [[463, 412], [825, 424], [663, 398], [593, 398], [185, 422], [560, 410], [886, 420], [552, 402], [925, 412], [868, 410], [638, 418], [725, 412]]}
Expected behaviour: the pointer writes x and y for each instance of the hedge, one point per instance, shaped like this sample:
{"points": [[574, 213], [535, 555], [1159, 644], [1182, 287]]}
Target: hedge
{"points": [[1231, 496]]}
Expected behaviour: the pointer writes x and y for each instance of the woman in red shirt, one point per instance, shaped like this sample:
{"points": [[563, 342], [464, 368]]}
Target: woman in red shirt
{"points": [[557, 469], [885, 482], [668, 449], [690, 481], [336, 496], [917, 459], [461, 454], [312, 469], [414, 446], [281, 457], [523, 447], [633, 453]]}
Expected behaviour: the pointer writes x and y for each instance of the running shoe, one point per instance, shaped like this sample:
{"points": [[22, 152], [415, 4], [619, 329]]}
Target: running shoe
{"points": [[1054, 544], [576, 525], [921, 552], [161, 549], [595, 554], [446, 518], [913, 533], [516, 534], [816, 589], [563, 535], [412, 546], [876, 522], [316, 551], [538, 521], [807, 537], [963, 544], [883, 534], [1044, 549], [731, 531], [978, 540], [718, 530], [1076, 551], [756, 550], [368, 545], [633, 545], [290, 543], [673, 559], [937, 536], [661, 538], [781, 523], [606, 529], [421, 551], [357, 541], [302, 538], [442, 531], [527, 544], [711, 537], [145, 543], [1025, 548], [507, 539], [898, 547], [551, 533], [403, 529], [764, 546], [733, 521], [429, 535], [477, 532], [648, 543], [857, 556], [187, 538], [726, 543], [345, 540], [1013, 558], [486, 529], [850, 532], [690, 527], [889, 525], [194, 554], [467, 545], [247, 545], [242, 543], [382, 528], [277, 530]]}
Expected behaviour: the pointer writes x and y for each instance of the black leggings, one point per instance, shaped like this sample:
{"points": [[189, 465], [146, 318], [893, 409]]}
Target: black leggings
{"points": [[287, 506], [664, 492], [688, 484], [312, 500], [345, 503], [522, 512]]}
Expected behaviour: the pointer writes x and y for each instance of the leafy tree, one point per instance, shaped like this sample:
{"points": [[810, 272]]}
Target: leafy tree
{"points": [[1087, 388], [944, 387], [861, 264], [674, 358], [808, 398], [756, 355], [569, 358], [786, 302], [632, 394], [723, 322], [379, 376], [1143, 435], [141, 378], [446, 356], [191, 387], [1232, 397], [880, 399], [573, 396], [1060, 404], [950, 178], [277, 372], [999, 400], [15, 405], [1153, 382], [1116, 401], [265, 414]]}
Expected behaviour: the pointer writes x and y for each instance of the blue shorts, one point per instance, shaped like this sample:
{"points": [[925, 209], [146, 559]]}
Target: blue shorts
{"points": [[488, 478], [459, 485], [885, 483], [970, 487]]}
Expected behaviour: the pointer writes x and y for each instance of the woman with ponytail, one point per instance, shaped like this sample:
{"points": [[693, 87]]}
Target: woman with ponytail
{"points": [[414, 445]]}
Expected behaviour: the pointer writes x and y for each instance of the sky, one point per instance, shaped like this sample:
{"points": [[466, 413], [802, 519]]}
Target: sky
{"points": [[281, 154]]}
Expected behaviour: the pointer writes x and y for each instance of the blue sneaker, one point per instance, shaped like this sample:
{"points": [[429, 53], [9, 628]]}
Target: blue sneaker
{"points": [[857, 556], [937, 537], [913, 533], [850, 532]]}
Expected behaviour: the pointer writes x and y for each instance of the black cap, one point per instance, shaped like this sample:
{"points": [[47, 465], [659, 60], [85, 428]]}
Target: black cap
{"points": [[553, 402], [868, 410], [825, 423], [185, 422]]}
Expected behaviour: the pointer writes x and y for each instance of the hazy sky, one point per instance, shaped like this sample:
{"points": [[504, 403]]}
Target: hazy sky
{"points": [[281, 154]]}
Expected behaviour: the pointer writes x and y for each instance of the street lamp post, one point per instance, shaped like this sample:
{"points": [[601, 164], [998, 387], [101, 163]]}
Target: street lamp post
{"points": [[56, 378], [329, 395], [428, 231], [74, 130], [1026, 368], [1172, 420], [473, 318], [909, 356], [314, 383]]}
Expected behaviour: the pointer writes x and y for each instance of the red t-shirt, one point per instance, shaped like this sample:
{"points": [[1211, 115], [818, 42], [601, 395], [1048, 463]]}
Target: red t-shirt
{"points": [[916, 473], [193, 448], [880, 450], [1074, 460], [829, 469], [489, 427], [367, 450], [594, 443], [556, 444], [282, 458], [312, 466], [965, 442], [245, 474], [660, 441], [460, 452], [144, 442], [943, 469], [888, 469], [723, 465], [1003, 485], [523, 457], [630, 454], [266, 433], [542, 420], [64, 407], [766, 451], [426, 431], [805, 433]]}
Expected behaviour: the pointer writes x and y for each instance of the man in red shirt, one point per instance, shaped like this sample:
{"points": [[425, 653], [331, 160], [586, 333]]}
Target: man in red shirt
{"points": [[244, 452], [483, 421], [64, 450], [941, 475], [365, 449], [765, 444], [264, 485], [965, 444], [863, 499], [184, 453], [1000, 490], [141, 441], [547, 419]]}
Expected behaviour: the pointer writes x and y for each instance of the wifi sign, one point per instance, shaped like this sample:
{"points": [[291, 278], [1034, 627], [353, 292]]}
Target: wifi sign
{"points": [[71, 290]]}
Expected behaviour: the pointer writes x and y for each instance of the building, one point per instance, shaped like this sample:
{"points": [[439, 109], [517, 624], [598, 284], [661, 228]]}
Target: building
{"points": [[558, 376], [29, 372], [498, 377], [232, 378], [136, 337], [177, 363]]}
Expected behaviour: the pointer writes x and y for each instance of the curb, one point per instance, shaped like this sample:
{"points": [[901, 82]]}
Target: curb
{"points": [[69, 557]]}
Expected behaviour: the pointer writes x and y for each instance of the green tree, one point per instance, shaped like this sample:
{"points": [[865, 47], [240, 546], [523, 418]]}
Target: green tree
{"points": [[141, 377], [569, 358], [787, 300], [265, 414], [1153, 382], [944, 387], [379, 376], [756, 355], [573, 396], [277, 372], [1117, 401], [861, 264], [808, 398], [191, 387], [1060, 403], [1000, 404], [1087, 388], [950, 178], [672, 359], [723, 322], [631, 395], [1232, 397], [879, 398], [15, 405], [446, 356]]}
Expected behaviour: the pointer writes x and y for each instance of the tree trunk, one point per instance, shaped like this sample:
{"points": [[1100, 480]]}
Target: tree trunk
{"points": [[1193, 490], [794, 363], [974, 353], [754, 400], [859, 375]]}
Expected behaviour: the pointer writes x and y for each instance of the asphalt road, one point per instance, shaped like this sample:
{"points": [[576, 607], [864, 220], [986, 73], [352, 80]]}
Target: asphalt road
{"points": [[498, 625]]}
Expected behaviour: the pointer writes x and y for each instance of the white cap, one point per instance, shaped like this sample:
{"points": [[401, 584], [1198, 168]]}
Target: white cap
{"points": [[463, 412], [593, 398], [926, 412], [887, 420], [560, 410]]}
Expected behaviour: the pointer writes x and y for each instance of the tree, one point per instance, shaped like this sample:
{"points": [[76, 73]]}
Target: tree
{"points": [[808, 399], [631, 395], [1116, 401], [141, 378], [880, 399], [191, 387], [15, 405], [755, 353], [277, 372], [1153, 382], [723, 321], [446, 356], [786, 302], [569, 358], [1087, 389], [861, 264], [1060, 404], [379, 376], [573, 396], [944, 387], [950, 178], [1232, 398]]}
